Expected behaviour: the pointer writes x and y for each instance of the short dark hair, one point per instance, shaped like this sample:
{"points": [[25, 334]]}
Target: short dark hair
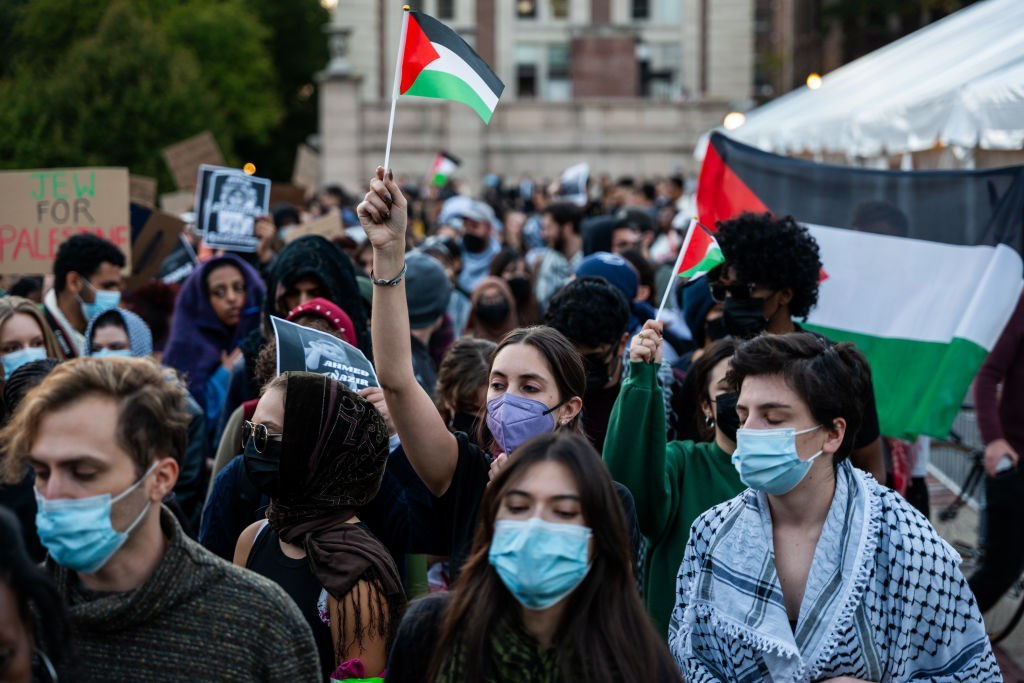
{"points": [[565, 212], [834, 380], [774, 252], [589, 311], [83, 254]]}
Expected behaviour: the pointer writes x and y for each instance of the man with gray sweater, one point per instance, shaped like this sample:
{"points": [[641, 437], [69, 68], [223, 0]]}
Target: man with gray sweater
{"points": [[105, 437]]}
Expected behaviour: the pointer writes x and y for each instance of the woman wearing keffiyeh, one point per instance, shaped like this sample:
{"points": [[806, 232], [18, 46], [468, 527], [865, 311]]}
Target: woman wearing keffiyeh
{"points": [[329, 461], [816, 572]]}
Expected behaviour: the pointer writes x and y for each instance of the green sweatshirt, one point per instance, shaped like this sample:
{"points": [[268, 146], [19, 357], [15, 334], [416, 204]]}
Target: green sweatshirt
{"points": [[672, 483]]}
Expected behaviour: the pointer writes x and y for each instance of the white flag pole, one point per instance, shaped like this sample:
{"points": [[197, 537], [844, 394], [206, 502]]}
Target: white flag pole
{"points": [[675, 268], [394, 89]]}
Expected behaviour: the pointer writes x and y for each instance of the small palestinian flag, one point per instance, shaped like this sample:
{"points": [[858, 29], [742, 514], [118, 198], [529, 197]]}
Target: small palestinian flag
{"points": [[436, 62], [441, 170], [702, 252], [924, 267]]}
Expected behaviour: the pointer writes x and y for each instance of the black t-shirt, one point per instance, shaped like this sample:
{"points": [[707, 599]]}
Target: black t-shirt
{"points": [[459, 507], [296, 577], [869, 429]]}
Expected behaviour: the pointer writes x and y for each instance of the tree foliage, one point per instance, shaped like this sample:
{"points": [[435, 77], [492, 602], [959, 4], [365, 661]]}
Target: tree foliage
{"points": [[112, 82]]}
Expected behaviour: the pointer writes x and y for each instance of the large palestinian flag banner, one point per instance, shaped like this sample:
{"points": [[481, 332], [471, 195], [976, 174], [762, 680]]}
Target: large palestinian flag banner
{"points": [[922, 269]]}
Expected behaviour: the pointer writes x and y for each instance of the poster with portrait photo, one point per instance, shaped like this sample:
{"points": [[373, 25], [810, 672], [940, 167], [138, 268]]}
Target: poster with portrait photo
{"points": [[305, 349], [227, 204]]}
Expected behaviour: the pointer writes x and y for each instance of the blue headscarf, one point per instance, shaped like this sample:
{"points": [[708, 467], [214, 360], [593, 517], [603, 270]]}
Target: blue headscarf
{"points": [[140, 339]]}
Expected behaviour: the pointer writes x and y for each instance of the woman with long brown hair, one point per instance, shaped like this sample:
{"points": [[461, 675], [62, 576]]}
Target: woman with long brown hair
{"points": [[547, 593], [536, 381], [24, 335]]}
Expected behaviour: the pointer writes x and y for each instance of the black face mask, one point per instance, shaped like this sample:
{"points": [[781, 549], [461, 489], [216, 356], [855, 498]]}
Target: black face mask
{"points": [[520, 287], [492, 313], [263, 469], [599, 371], [473, 244], [715, 329], [464, 422], [725, 414], [744, 318]]}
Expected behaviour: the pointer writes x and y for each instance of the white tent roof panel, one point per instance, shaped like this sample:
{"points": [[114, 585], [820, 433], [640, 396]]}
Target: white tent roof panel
{"points": [[958, 81]]}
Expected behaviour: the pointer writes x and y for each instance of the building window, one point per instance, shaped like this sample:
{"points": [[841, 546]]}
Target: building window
{"points": [[527, 70], [559, 9], [526, 9], [526, 81], [558, 86], [446, 9], [641, 9]]}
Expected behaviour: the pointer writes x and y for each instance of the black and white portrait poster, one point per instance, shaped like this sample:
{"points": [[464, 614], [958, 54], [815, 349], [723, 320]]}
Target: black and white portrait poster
{"points": [[227, 204], [304, 349]]}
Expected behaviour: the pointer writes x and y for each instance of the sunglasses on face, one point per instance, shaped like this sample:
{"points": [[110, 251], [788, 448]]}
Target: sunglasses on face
{"points": [[737, 290], [258, 433]]}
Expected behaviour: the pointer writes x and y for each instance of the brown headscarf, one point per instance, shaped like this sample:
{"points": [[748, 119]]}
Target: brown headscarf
{"points": [[333, 453], [491, 332]]}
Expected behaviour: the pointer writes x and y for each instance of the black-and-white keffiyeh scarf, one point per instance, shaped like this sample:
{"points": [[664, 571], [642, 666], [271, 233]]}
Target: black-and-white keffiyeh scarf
{"points": [[885, 599]]}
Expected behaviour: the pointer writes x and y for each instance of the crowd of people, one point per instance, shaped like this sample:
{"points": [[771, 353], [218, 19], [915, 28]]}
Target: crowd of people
{"points": [[550, 483]]}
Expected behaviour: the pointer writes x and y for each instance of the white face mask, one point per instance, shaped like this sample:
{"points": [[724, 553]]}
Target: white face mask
{"points": [[766, 459]]}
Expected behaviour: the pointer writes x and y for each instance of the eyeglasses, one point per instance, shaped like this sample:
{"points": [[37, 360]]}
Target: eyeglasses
{"points": [[737, 290], [259, 434]]}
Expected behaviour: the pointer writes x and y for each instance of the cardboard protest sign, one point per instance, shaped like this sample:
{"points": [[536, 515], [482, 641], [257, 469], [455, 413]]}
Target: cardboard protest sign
{"points": [[227, 204], [179, 263], [288, 194], [142, 190], [40, 209], [184, 158], [178, 202], [572, 185], [306, 172], [305, 349], [155, 235], [328, 227]]}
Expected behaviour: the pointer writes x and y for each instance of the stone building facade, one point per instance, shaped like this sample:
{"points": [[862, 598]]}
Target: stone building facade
{"points": [[625, 85]]}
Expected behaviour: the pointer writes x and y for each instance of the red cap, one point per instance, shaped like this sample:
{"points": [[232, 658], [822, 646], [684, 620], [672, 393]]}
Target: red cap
{"points": [[329, 312]]}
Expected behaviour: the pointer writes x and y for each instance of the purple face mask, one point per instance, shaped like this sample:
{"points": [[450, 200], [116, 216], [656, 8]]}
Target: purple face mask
{"points": [[515, 419]]}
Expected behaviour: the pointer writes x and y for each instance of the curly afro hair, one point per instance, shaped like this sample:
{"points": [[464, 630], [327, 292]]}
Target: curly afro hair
{"points": [[775, 252]]}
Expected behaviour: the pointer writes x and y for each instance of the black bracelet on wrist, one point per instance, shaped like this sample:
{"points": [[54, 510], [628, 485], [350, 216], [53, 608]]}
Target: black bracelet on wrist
{"points": [[389, 283]]}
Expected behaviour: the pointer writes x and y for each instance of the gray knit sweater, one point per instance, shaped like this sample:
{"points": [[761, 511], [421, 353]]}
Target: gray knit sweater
{"points": [[197, 618]]}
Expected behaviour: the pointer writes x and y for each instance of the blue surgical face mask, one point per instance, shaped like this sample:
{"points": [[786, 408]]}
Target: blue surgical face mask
{"points": [[15, 359], [103, 353], [540, 562], [103, 301], [78, 532], [767, 460]]}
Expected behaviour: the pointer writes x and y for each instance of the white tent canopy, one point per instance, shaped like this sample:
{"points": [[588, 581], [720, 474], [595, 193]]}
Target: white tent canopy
{"points": [[956, 82]]}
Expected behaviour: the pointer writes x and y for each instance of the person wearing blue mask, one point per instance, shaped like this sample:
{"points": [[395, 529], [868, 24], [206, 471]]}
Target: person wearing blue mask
{"points": [[536, 381], [105, 437], [817, 572], [547, 593], [118, 332], [24, 335], [86, 281]]}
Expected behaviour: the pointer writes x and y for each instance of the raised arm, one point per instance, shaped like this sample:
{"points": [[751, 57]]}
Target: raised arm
{"points": [[432, 450], [634, 448]]}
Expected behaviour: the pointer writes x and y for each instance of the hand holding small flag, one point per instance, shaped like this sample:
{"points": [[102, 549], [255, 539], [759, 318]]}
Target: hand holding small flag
{"points": [[382, 213]]}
